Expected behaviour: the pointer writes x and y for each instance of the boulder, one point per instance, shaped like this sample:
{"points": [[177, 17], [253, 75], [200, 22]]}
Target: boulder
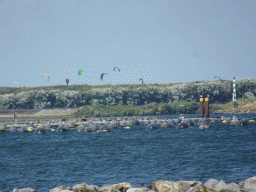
{"points": [[28, 189], [2, 129], [112, 126], [134, 190], [93, 187], [199, 188], [23, 130], [182, 125], [211, 183], [108, 188], [135, 122], [151, 126], [80, 126], [62, 188], [85, 188], [39, 131], [204, 126], [170, 186], [166, 124], [207, 126], [241, 184], [123, 186], [158, 122], [250, 184], [235, 187], [123, 124], [223, 186], [222, 117], [36, 121]]}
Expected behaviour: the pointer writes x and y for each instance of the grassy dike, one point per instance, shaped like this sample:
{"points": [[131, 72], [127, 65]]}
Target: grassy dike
{"points": [[162, 109], [244, 106]]}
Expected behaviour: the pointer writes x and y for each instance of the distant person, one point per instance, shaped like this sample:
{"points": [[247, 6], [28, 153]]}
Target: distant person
{"points": [[67, 81]]}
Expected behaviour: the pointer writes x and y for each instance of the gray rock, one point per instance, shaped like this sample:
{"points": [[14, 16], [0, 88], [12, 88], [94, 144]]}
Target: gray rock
{"points": [[241, 184], [250, 184], [39, 131], [85, 187], [200, 188], [123, 186], [93, 187], [134, 190], [182, 125], [151, 126], [211, 183], [60, 189], [108, 188], [235, 187], [23, 130], [28, 189], [222, 185]]}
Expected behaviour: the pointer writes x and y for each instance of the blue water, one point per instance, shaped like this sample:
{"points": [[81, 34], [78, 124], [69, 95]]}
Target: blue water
{"points": [[137, 155]]}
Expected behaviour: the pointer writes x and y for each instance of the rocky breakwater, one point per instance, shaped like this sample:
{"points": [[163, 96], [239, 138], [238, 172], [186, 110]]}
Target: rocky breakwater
{"points": [[212, 185], [106, 125]]}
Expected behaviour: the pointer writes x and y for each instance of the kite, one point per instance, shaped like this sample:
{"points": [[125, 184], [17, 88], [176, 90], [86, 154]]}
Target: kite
{"points": [[101, 76], [142, 81], [17, 83], [116, 68], [219, 78], [80, 73], [47, 76]]}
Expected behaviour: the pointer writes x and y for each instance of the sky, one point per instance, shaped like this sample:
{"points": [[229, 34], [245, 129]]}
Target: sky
{"points": [[159, 41]]}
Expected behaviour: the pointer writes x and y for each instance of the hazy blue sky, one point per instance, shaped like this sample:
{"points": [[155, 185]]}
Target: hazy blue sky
{"points": [[171, 40]]}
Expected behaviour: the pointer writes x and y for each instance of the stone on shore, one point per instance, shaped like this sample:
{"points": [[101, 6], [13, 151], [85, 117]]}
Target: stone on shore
{"points": [[201, 188], [123, 186], [222, 186], [170, 186], [85, 188], [134, 190], [211, 183], [139, 189], [28, 189], [108, 188], [250, 184], [62, 188], [2, 129]]}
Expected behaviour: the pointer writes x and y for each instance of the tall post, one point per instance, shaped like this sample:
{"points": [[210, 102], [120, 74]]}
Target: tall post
{"points": [[207, 106], [234, 93], [14, 115], [202, 106]]}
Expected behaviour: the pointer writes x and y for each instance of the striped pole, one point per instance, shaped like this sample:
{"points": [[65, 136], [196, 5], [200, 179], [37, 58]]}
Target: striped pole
{"points": [[234, 89], [235, 105]]}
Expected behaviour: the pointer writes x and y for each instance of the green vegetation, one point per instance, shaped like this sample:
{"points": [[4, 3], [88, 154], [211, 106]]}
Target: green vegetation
{"points": [[131, 110], [130, 99]]}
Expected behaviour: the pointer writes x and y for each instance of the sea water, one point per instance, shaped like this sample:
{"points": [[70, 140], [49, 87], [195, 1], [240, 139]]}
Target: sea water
{"points": [[137, 155]]}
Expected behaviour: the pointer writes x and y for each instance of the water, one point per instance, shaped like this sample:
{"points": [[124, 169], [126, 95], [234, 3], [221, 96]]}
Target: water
{"points": [[137, 155]]}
